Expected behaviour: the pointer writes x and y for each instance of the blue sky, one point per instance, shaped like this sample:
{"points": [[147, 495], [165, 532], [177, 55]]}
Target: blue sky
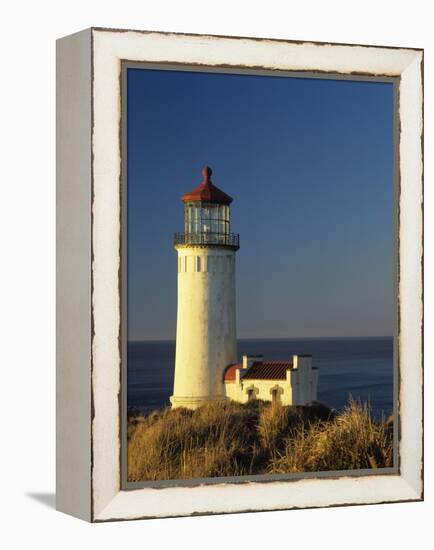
{"points": [[309, 163]]}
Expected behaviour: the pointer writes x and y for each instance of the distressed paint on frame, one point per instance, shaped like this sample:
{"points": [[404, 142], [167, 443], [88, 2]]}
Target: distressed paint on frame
{"points": [[394, 71]]}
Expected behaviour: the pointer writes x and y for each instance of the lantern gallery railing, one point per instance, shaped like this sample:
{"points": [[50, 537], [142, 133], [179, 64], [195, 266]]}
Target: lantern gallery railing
{"points": [[222, 239]]}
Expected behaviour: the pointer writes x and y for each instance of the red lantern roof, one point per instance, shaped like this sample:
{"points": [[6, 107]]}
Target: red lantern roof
{"points": [[207, 191]]}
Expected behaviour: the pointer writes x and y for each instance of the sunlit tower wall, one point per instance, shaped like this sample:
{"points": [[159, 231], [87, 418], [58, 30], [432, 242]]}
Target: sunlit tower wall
{"points": [[206, 341]]}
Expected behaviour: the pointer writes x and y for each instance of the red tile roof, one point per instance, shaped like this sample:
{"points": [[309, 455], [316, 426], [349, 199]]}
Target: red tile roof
{"points": [[229, 374], [207, 191], [268, 370], [261, 370]]}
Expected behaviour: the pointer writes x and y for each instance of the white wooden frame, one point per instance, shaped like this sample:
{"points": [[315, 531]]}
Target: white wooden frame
{"points": [[88, 263]]}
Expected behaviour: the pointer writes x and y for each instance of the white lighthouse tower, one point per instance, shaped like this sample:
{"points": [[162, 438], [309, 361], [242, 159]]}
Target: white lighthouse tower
{"points": [[206, 330]]}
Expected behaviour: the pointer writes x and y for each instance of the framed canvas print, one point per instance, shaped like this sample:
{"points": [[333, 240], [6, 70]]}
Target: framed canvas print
{"points": [[239, 274]]}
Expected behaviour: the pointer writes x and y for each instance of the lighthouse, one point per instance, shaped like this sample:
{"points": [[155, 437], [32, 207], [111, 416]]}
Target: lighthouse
{"points": [[206, 340]]}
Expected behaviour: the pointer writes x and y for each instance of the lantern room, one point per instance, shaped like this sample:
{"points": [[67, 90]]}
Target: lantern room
{"points": [[207, 216]]}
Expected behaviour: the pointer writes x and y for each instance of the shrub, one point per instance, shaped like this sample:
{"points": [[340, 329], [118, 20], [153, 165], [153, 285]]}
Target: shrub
{"points": [[230, 439], [214, 440], [352, 440]]}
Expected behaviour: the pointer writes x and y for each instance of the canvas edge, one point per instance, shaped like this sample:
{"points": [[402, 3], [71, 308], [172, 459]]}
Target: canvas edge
{"points": [[253, 38], [73, 274], [411, 239], [411, 488]]}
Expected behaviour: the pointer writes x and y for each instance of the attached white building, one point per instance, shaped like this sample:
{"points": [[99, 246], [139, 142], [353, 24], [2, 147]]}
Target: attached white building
{"points": [[292, 382], [206, 366]]}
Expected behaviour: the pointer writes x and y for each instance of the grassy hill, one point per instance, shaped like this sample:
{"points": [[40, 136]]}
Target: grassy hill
{"points": [[231, 439]]}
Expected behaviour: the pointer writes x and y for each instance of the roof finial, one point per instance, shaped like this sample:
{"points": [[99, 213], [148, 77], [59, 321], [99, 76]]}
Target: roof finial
{"points": [[206, 173], [206, 191]]}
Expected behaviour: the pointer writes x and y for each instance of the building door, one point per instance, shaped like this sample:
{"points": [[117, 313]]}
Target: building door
{"points": [[251, 396], [275, 396]]}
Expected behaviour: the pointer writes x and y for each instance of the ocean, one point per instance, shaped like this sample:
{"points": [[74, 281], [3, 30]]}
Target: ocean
{"points": [[360, 367]]}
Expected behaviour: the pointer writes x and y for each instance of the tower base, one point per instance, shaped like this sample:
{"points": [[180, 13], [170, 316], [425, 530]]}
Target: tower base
{"points": [[195, 402]]}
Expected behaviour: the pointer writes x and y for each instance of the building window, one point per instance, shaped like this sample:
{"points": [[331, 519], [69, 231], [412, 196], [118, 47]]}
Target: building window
{"points": [[251, 395], [221, 268], [229, 263], [198, 266]]}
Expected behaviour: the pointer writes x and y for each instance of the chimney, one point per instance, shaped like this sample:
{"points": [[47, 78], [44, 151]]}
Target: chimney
{"points": [[302, 361], [248, 360]]}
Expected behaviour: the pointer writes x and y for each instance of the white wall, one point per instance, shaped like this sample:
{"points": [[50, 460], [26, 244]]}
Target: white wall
{"points": [[206, 325], [262, 390], [303, 380]]}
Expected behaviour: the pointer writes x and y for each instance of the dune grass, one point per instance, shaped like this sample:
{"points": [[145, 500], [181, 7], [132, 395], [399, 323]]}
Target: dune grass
{"points": [[230, 439], [351, 441]]}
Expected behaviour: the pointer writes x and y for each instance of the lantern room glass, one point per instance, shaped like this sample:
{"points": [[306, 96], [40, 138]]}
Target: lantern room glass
{"points": [[207, 223]]}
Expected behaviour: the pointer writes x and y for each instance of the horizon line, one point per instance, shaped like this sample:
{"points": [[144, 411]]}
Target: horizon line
{"points": [[277, 338]]}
